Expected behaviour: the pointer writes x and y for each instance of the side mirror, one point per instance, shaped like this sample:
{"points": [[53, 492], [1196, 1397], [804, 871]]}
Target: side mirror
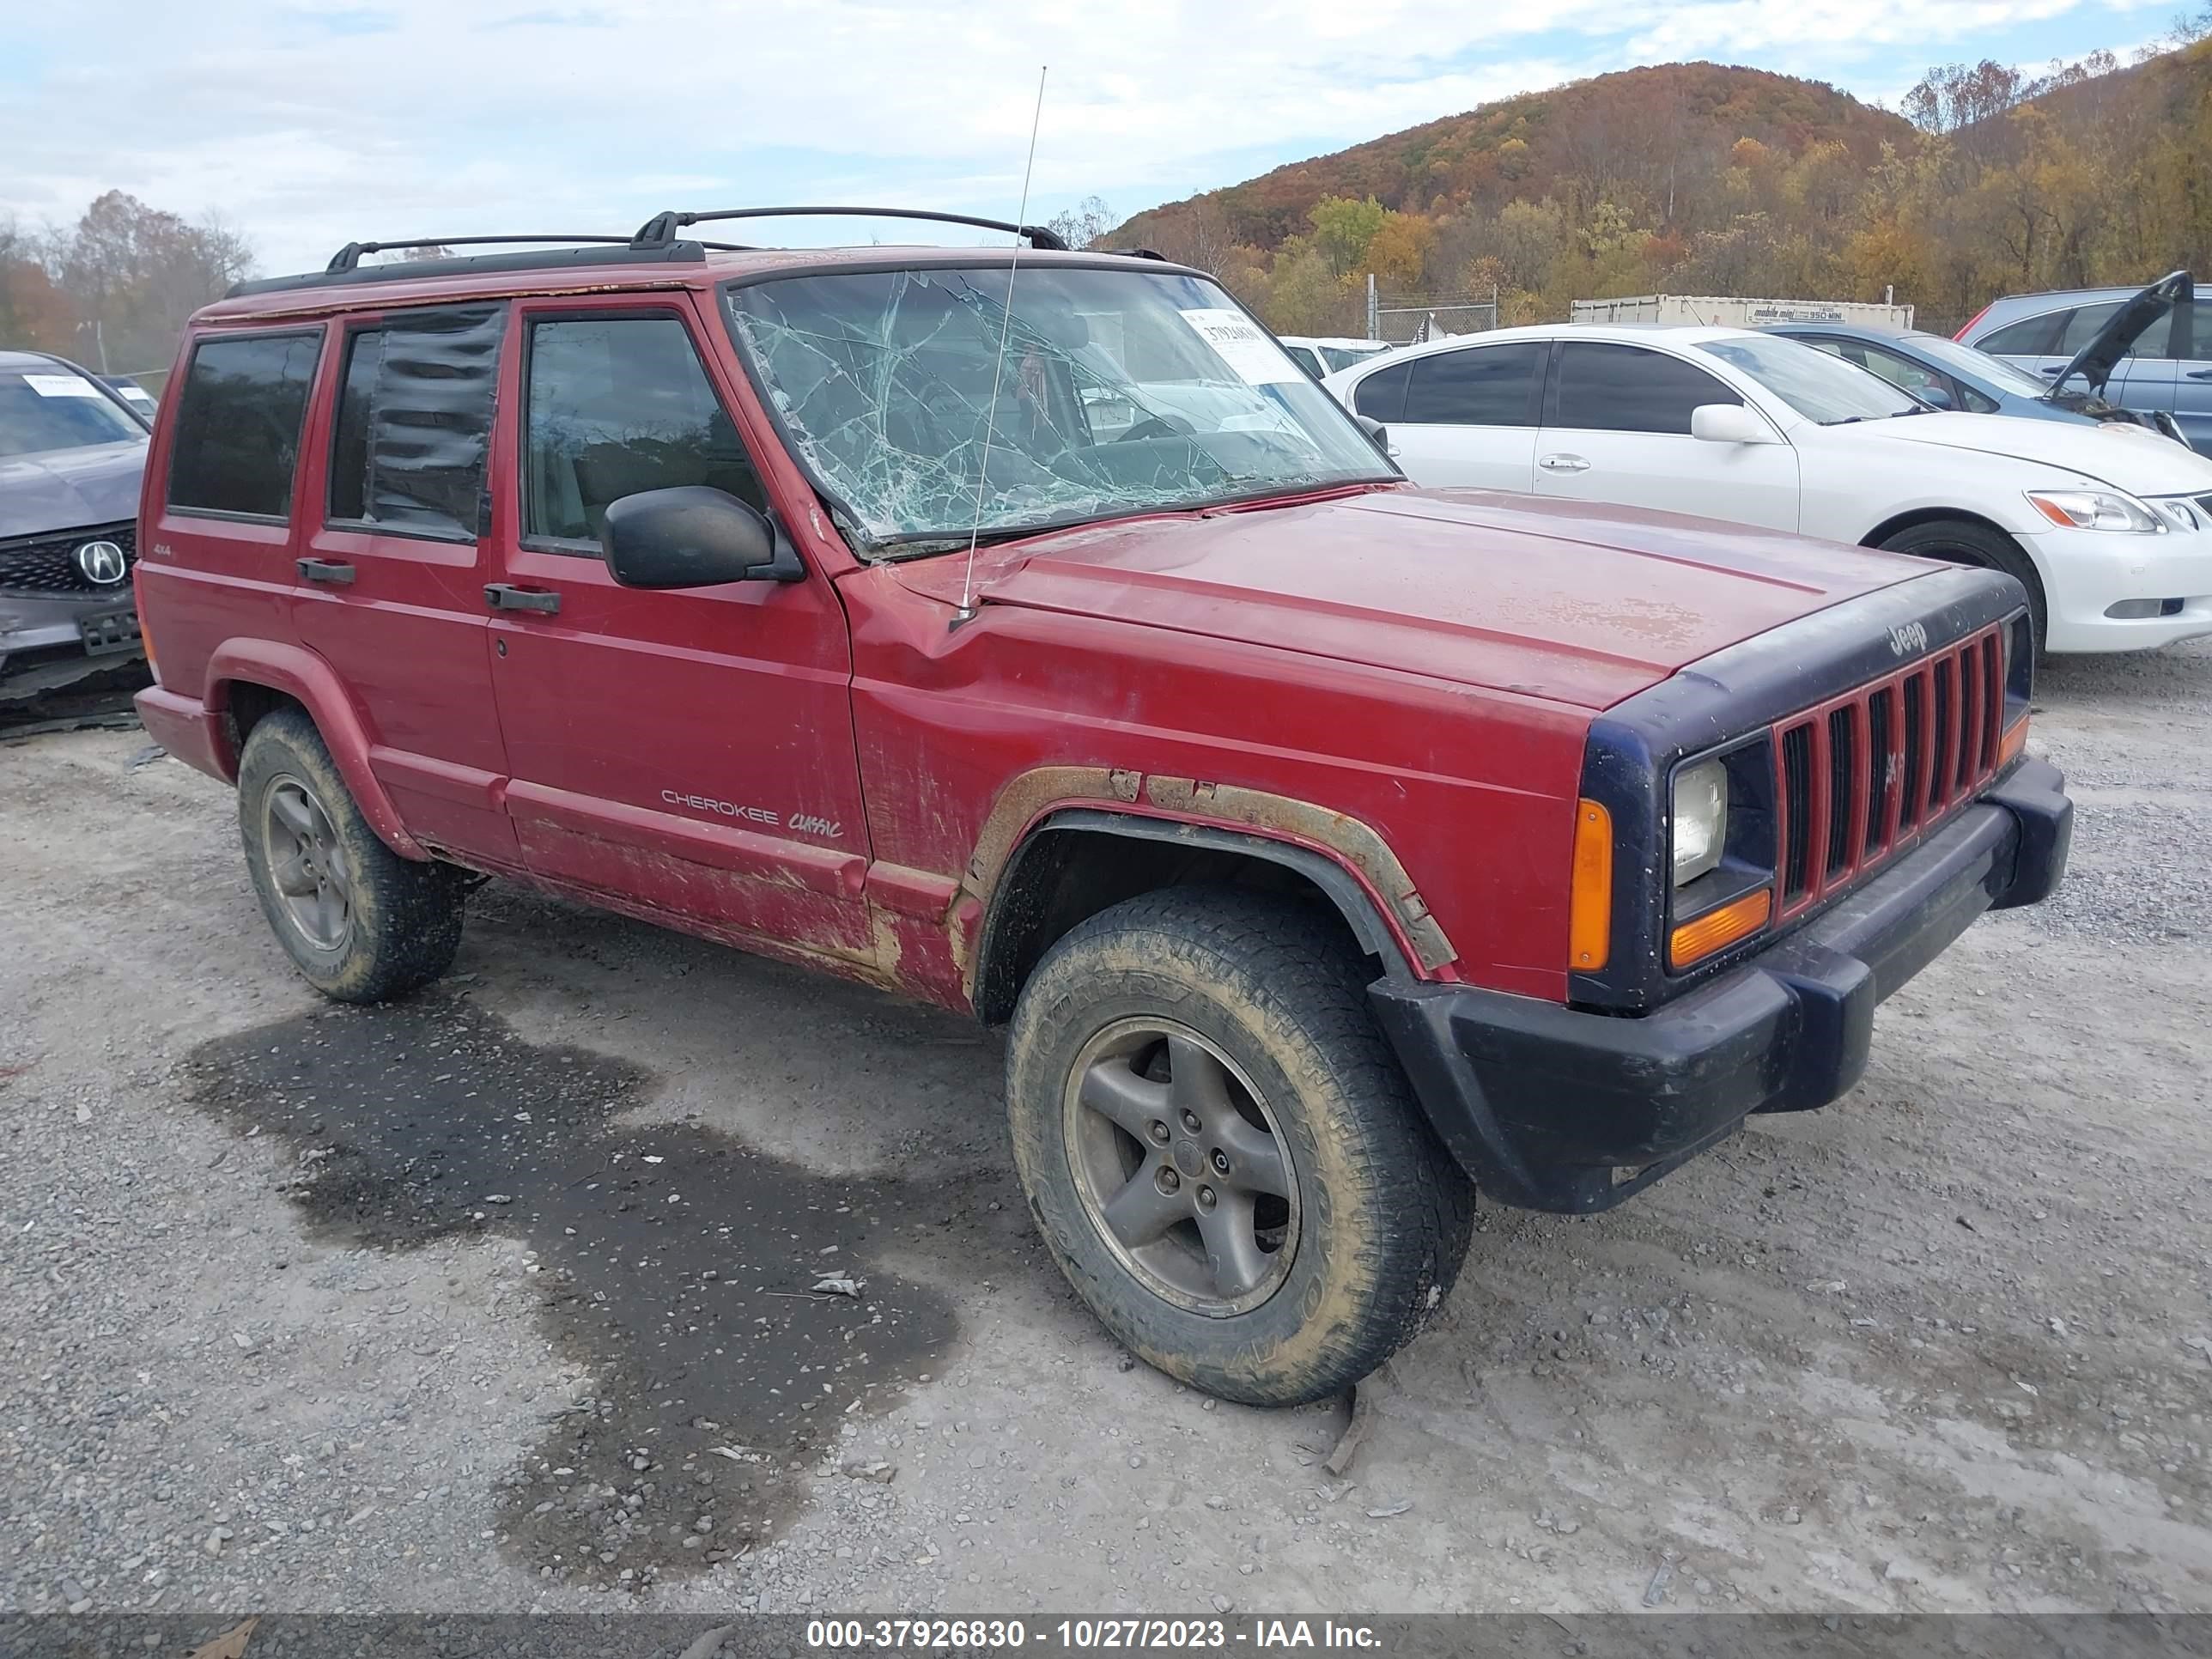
{"points": [[1937, 396], [1728, 424], [692, 535], [1377, 434]]}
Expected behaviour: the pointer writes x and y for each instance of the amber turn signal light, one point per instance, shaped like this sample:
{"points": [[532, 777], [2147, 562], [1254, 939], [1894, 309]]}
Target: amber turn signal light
{"points": [[1589, 913], [1694, 941], [2012, 742]]}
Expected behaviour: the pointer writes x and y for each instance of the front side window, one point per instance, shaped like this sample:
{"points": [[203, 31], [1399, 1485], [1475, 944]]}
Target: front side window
{"points": [[1478, 385], [414, 422], [237, 419], [618, 406], [56, 408], [1622, 388], [2082, 325], [1120, 391]]}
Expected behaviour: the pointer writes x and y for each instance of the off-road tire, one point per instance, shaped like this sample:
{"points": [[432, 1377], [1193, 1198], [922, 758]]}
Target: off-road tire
{"points": [[1961, 541], [405, 916], [1384, 1214]]}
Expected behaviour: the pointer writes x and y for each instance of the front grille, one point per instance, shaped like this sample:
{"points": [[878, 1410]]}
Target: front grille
{"points": [[1864, 775], [46, 563]]}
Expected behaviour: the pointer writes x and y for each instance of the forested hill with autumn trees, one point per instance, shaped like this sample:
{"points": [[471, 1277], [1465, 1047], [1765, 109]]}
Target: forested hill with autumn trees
{"points": [[1703, 179]]}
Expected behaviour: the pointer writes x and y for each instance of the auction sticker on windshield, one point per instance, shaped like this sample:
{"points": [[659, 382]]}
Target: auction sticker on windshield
{"points": [[61, 385], [1244, 346]]}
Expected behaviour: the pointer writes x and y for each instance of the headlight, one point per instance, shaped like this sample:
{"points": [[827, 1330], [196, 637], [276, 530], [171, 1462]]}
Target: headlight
{"points": [[2096, 509], [1701, 801]]}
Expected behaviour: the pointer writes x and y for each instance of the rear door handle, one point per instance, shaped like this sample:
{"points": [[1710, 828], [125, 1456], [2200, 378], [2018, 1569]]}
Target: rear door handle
{"points": [[505, 596], [335, 572], [1564, 463]]}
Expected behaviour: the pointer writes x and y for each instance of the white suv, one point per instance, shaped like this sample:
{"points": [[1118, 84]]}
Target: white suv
{"points": [[2109, 527]]}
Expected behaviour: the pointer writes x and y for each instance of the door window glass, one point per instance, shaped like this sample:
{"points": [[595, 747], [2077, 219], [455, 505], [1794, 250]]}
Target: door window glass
{"points": [[618, 406], [1381, 395], [414, 422], [1620, 388], [238, 421], [2081, 327], [2034, 337], [1479, 386], [2198, 332]]}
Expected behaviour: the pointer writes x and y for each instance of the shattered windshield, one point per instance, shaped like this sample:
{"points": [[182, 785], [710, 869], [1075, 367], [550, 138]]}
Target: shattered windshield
{"points": [[1120, 392]]}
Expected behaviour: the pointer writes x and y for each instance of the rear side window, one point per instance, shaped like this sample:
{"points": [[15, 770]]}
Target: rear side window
{"points": [[1620, 388], [237, 419], [1381, 395], [2034, 337], [414, 422], [618, 406], [1480, 386]]}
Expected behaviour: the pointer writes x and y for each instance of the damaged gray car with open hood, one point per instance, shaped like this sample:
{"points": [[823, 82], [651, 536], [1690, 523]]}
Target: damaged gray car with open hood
{"points": [[2147, 350], [71, 453]]}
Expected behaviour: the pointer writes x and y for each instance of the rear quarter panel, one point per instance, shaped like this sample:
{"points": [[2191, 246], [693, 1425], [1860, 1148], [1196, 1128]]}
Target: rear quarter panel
{"points": [[203, 578], [1472, 790]]}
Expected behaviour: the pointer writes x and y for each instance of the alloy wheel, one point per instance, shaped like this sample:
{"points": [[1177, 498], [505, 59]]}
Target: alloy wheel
{"points": [[1181, 1166]]}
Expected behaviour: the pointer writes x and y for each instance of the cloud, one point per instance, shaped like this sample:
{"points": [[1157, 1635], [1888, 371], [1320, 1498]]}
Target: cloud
{"points": [[431, 116]]}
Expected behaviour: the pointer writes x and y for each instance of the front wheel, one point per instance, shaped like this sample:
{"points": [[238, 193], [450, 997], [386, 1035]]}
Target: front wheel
{"points": [[1962, 541], [1222, 1152]]}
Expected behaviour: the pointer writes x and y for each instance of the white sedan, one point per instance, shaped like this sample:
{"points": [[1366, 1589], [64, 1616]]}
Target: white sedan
{"points": [[2108, 527]]}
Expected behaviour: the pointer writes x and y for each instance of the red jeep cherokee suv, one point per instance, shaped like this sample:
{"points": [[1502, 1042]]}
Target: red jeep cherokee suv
{"points": [[1021, 630]]}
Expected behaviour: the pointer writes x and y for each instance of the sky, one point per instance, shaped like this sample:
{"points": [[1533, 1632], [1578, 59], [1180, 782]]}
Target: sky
{"points": [[305, 127]]}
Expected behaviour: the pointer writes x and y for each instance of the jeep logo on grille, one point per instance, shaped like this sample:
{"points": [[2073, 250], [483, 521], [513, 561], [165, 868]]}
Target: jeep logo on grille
{"points": [[101, 563], [1904, 641]]}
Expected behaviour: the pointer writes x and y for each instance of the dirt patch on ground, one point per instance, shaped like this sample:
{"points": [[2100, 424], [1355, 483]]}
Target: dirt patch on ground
{"points": [[734, 1307]]}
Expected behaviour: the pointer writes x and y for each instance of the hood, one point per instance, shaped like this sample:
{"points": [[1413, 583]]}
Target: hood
{"points": [[2120, 453], [69, 489], [2095, 362], [1574, 603]]}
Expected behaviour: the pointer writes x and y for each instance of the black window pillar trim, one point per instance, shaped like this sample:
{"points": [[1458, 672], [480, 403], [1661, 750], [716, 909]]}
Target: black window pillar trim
{"points": [[1633, 748]]}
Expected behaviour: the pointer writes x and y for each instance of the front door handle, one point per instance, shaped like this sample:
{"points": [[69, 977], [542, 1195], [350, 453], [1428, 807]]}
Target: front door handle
{"points": [[335, 572], [2200, 374], [1564, 463], [505, 596]]}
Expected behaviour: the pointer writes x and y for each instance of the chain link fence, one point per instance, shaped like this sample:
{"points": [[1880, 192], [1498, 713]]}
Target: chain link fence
{"points": [[1411, 318]]}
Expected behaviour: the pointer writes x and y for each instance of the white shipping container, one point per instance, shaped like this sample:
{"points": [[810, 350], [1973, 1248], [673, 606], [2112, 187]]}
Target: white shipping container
{"points": [[1717, 312]]}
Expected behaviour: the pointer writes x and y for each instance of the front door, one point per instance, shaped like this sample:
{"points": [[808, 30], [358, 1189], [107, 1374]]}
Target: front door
{"points": [[390, 579], [1618, 429], [686, 753]]}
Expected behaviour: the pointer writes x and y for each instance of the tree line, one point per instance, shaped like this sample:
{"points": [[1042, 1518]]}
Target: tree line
{"points": [[113, 290], [1700, 179]]}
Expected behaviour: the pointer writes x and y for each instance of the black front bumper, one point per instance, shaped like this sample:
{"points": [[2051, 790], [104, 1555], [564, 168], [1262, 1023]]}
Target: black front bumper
{"points": [[1552, 1108]]}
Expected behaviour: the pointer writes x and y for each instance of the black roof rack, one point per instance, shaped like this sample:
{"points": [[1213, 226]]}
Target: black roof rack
{"points": [[655, 243], [661, 228]]}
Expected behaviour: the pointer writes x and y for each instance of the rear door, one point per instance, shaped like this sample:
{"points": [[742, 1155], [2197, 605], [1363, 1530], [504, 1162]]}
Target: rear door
{"points": [[390, 579], [1617, 428], [688, 753], [1463, 418]]}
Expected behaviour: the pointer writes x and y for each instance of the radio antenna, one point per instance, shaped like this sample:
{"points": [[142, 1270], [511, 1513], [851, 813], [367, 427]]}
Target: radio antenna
{"points": [[967, 611]]}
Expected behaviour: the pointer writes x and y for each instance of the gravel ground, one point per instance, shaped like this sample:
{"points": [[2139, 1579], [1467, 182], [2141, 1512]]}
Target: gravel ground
{"points": [[505, 1299]]}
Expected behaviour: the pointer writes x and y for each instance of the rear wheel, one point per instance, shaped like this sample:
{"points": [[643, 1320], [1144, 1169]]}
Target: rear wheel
{"points": [[1221, 1151], [361, 923], [1962, 541]]}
